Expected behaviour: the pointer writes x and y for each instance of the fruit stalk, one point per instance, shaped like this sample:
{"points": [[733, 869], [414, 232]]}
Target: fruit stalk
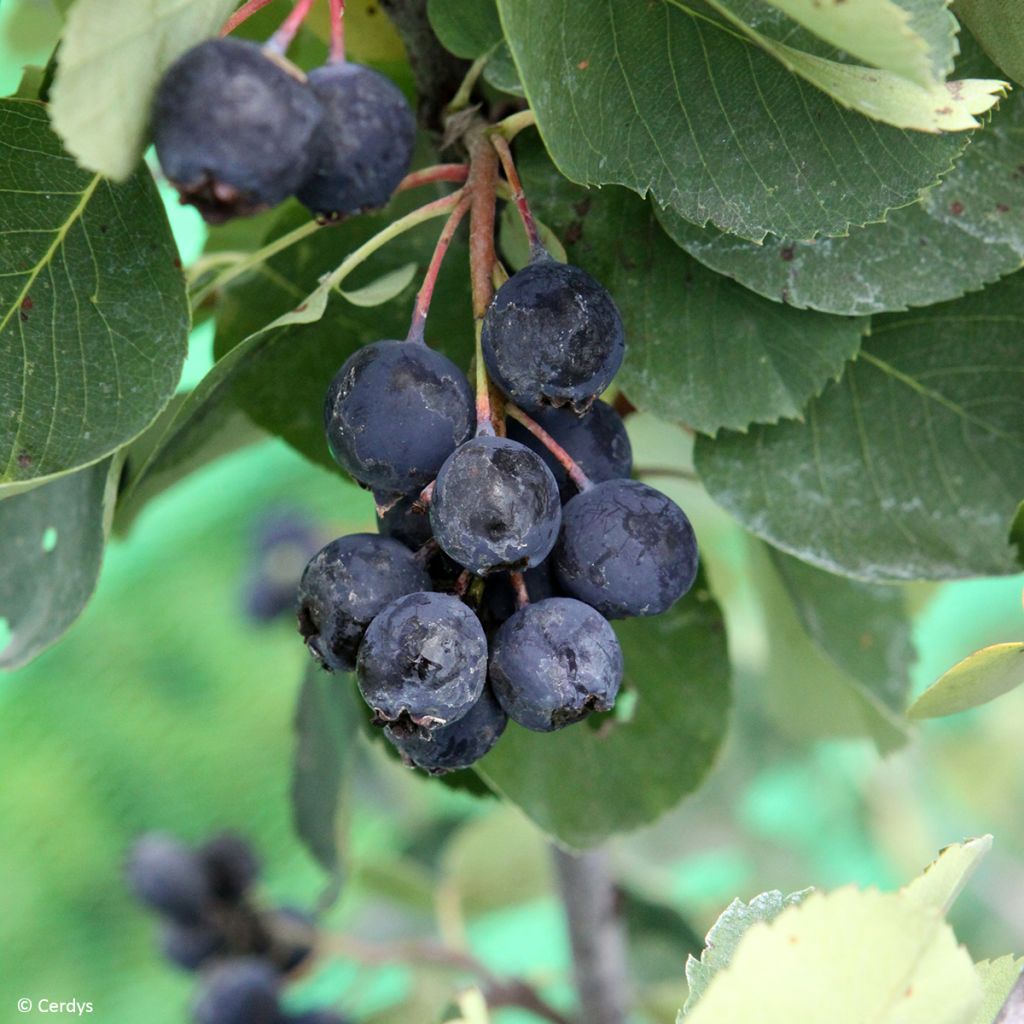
{"points": [[596, 935], [426, 292], [519, 586], [282, 38], [337, 54], [243, 14], [431, 175], [565, 460], [519, 196], [483, 178]]}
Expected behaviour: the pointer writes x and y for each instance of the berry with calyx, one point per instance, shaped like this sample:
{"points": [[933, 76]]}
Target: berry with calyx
{"points": [[231, 865], [554, 662], [345, 585], [364, 145], [423, 662], [243, 991], [167, 876], [191, 946], [456, 745], [597, 442], [234, 128], [394, 412], [495, 506], [626, 549], [552, 336]]}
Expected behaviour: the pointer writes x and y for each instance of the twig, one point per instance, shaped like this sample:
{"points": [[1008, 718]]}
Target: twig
{"points": [[596, 935], [243, 14], [565, 460], [430, 175], [525, 213], [512, 125]]}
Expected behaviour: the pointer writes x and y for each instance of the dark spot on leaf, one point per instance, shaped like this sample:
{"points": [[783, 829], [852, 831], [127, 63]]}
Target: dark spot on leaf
{"points": [[582, 208], [24, 460], [1002, 208], [104, 229], [371, 9], [26, 305], [784, 295], [300, 308], [177, 263], [909, 992], [944, 110], [956, 208], [583, 65], [573, 233], [786, 253], [867, 640]]}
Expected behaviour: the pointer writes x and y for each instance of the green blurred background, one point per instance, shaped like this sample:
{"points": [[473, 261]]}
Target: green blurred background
{"points": [[166, 708]]}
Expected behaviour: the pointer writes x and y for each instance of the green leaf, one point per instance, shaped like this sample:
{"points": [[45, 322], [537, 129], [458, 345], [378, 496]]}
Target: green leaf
{"points": [[965, 233], [112, 56], [997, 979], [51, 548], [721, 942], [1017, 532], [944, 879], [93, 317], [327, 724], [281, 379], [878, 94], [699, 348], [819, 681], [847, 957], [467, 28], [649, 96], [979, 678], [999, 26], [882, 33], [908, 468], [384, 289], [584, 784]]}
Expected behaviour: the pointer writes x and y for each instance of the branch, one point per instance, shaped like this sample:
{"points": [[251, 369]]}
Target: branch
{"points": [[596, 934], [436, 72]]}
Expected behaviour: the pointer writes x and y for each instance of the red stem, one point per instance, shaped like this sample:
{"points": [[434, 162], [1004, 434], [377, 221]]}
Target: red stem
{"points": [[426, 495], [282, 38], [426, 292], [518, 581], [525, 213], [243, 14], [462, 583], [565, 460], [429, 175], [337, 31]]}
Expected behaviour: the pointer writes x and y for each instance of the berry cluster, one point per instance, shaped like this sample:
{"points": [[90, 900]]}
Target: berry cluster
{"points": [[238, 128], [212, 924], [506, 542]]}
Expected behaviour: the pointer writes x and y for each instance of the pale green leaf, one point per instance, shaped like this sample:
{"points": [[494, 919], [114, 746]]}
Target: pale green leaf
{"points": [[848, 957], [997, 979], [112, 56], [700, 349], [725, 934], [999, 26], [979, 678], [93, 316], [961, 235], [662, 99], [585, 784], [911, 466], [944, 879], [384, 289], [878, 32], [51, 549]]}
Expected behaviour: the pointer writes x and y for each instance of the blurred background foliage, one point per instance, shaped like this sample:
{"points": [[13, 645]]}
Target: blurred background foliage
{"points": [[167, 708]]}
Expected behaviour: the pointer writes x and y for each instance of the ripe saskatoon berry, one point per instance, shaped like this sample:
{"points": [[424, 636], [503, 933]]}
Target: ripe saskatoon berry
{"points": [[403, 519], [190, 946], [394, 412], [231, 866], [597, 442], [234, 128], [626, 549], [169, 877], [554, 662], [422, 662], [345, 585], [243, 991], [495, 506], [456, 745], [552, 336], [365, 144]]}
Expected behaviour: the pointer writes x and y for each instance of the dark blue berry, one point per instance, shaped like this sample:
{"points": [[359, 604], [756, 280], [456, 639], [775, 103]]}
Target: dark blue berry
{"points": [[597, 442], [243, 991], [191, 946], [552, 336], [495, 506], [345, 585], [231, 865], [365, 144], [167, 876], [554, 662], [394, 412], [457, 745], [423, 661], [626, 549], [234, 128]]}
